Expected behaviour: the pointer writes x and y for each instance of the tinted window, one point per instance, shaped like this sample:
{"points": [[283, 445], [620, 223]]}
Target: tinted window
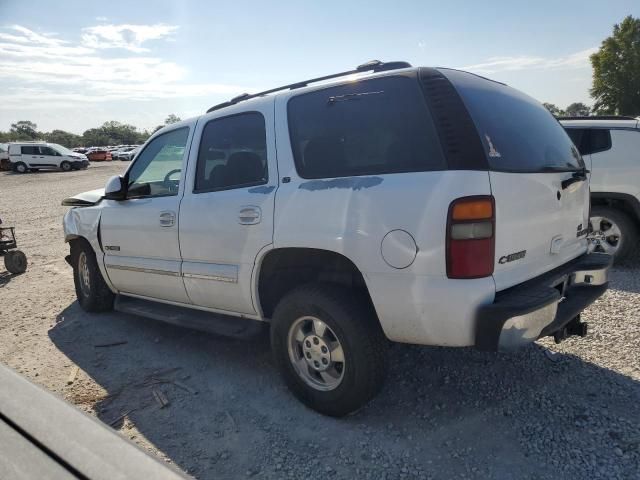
{"points": [[590, 140], [362, 128], [30, 150], [157, 170], [518, 133], [232, 154], [580, 138], [600, 140]]}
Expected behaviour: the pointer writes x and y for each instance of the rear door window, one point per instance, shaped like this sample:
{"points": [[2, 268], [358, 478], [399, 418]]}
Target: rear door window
{"points": [[30, 150], [369, 127], [519, 134]]}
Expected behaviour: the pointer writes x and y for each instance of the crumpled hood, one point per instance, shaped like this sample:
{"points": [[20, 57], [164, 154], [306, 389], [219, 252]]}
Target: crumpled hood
{"points": [[84, 199]]}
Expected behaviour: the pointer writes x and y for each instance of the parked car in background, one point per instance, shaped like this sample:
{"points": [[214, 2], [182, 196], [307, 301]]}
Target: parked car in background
{"points": [[610, 146], [99, 155], [79, 150], [120, 154], [441, 224], [130, 154], [34, 156], [4, 157]]}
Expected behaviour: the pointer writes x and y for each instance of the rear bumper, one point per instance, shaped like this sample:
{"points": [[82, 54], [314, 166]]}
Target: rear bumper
{"points": [[543, 305]]}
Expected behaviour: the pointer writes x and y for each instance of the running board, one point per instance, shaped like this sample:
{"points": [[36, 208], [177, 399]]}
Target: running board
{"points": [[218, 324]]}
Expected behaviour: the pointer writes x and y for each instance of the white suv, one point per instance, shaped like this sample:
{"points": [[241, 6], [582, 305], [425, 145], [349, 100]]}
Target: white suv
{"points": [[33, 156], [383, 203], [610, 146]]}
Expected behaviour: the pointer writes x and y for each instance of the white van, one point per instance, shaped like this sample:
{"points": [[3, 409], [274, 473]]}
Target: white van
{"points": [[32, 156]]}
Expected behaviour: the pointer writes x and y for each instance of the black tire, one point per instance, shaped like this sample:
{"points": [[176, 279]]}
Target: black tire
{"points": [[33, 170], [20, 167], [65, 166], [15, 261], [96, 296], [354, 322], [628, 240]]}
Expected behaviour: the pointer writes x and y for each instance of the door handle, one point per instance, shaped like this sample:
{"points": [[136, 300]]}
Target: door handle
{"points": [[250, 215], [167, 219]]}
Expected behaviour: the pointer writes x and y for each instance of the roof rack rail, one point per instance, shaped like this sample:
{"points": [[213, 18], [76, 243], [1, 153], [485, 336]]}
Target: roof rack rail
{"points": [[598, 117], [373, 66]]}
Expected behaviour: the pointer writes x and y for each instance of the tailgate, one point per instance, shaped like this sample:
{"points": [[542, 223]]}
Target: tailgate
{"points": [[537, 176]]}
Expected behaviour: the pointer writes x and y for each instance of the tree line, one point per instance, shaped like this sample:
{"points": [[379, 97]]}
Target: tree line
{"points": [[109, 133]]}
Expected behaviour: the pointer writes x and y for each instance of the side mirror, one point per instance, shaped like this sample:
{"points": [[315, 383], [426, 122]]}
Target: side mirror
{"points": [[116, 188]]}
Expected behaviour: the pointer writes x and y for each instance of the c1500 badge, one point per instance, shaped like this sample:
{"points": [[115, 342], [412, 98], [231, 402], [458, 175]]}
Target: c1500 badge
{"points": [[512, 256]]}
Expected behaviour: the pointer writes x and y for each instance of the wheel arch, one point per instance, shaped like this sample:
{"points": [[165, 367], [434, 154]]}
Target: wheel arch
{"points": [[622, 201], [280, 270]]}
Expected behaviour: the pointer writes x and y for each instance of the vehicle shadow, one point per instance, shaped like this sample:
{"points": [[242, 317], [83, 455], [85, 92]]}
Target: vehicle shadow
{"points": [[443, 412], [5, 277]]}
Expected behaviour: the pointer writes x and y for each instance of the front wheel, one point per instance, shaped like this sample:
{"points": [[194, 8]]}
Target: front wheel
{"points": [[91, 290], [612, 232], [65, 166], [329, 348], [15, 261]]}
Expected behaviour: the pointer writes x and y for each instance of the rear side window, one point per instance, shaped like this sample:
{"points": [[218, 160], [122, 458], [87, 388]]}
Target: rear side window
{"points": [[232, 154], [518, 133], [590, 140], [600, 140], [30, 150], [369, 127]]}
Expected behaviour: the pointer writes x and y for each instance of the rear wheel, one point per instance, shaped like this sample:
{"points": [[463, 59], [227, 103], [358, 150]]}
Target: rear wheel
{"points": [[21, 167], [329, 348], [65, 166], [91, 290], [612, 232], [15, 261]]}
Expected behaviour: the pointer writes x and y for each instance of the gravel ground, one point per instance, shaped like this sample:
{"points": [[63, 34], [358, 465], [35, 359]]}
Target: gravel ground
{"points": [[567, 411]]}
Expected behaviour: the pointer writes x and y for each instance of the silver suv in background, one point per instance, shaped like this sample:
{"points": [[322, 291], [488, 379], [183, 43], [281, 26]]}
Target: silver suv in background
{"points": [[610, 147]]}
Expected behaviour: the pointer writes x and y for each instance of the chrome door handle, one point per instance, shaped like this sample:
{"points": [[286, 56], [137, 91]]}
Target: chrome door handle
{"points": [[250, 215], [167, 219]]}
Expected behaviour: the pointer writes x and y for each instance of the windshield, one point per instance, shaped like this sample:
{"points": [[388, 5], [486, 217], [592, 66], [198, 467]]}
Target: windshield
{"points": [[60, 149]]}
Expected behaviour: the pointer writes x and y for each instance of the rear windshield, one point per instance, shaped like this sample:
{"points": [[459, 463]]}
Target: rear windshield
{"points": [[369, 127], [518, 133]]}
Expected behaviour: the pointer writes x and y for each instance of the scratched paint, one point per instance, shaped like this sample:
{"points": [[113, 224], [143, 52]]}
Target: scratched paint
{"points": [[353, 183], [263, 189]]}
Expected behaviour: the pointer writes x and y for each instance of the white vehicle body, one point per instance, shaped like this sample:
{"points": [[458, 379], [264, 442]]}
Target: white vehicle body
{"points": [[42, 155], [610, 147], [388, 228]]}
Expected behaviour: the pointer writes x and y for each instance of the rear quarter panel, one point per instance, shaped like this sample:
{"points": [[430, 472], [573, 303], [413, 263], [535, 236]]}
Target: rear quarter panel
{"points": [[352, 215]]}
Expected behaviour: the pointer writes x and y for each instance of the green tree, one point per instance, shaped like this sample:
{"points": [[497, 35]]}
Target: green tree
{"points": [[578, 109], [555, 111], [172, 118], [616, 70], [24, 130], [61, 137]]}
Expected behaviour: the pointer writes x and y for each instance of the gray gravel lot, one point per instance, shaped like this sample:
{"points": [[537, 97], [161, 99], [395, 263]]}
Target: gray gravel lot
{"points": [[548, 411]]}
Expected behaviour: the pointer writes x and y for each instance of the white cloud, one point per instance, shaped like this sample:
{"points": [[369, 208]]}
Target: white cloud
{"points": [[43, 71], [128, 37], [500, 64]]}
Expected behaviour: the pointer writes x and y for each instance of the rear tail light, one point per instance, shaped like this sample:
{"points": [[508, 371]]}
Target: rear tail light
{"points": [[471, 237]]}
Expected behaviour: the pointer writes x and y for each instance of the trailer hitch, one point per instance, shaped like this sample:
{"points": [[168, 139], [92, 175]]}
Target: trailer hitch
{"points": [[574, 327]]}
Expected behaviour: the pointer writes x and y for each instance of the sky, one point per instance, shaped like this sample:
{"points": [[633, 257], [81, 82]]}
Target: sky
{"points": [[74, 64]]}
